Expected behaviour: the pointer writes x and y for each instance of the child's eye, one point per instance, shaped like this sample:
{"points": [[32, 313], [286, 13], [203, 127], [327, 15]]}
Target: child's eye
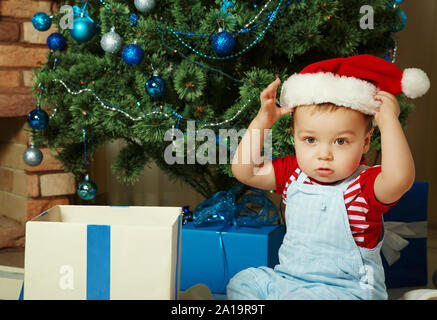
{"points": [[341, 141], [309, 139]]}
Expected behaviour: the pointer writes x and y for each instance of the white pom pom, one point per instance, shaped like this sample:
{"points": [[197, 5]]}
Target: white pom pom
{"points": [[415, 83]]}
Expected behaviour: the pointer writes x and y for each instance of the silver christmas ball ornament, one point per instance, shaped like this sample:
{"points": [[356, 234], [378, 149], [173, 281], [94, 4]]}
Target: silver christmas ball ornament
{"points": [[32, 156], [111, 41], [144, 6]]}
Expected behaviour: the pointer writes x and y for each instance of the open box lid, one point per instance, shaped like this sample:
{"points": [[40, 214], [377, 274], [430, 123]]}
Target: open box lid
{"points": [[111, 215]]}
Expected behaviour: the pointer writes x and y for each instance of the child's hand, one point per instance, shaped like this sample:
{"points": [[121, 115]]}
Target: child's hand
{"points": [[269, 112], [388, 109]]}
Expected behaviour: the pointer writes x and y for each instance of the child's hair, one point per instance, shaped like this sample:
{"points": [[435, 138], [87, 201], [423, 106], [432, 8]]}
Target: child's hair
{"points": [[330, 107]]}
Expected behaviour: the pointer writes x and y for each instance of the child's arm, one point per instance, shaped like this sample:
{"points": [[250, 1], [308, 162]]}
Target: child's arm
{"points": [[397, 164], [247, 166]]}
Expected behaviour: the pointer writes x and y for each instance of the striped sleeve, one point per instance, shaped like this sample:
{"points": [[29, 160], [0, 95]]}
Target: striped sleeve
{"points": [[364, 210], [284, 168]]}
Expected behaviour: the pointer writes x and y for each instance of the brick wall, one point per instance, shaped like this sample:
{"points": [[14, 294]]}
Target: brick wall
{"points": [[25, 191], [21, 49]]}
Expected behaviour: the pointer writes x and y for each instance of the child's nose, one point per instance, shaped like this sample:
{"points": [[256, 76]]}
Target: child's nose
{"points": [[325, 154]]}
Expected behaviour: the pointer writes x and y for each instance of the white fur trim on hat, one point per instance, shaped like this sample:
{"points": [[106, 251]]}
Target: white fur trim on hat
{"points": [[415, 83], [315, 88]]}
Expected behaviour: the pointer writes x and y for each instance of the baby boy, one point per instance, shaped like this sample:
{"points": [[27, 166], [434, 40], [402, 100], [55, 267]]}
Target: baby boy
{"points": [[334, 202]]}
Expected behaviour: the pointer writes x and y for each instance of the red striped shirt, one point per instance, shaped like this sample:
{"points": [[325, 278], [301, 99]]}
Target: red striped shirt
{"points": [[363, 209]]}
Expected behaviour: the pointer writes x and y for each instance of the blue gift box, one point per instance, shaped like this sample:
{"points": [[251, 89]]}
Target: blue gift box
{"points": [[212, 255], [411, 268]]}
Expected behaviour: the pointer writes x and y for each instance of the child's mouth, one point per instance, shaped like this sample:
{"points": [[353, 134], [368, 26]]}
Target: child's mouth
{"points": [[324, 172]]}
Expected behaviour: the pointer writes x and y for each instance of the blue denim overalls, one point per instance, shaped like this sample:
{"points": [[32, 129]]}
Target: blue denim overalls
{"points": [[318, 258]]}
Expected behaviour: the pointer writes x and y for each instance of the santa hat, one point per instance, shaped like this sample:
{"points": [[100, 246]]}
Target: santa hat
{"points": [[352, 82]]}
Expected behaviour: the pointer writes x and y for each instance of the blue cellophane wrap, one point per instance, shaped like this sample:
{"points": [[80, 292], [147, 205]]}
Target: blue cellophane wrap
{"points": [[223, 207], [411, 268], [213, 254]]}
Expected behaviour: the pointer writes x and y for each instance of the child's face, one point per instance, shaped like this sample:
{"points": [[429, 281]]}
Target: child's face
{"points": [[329, 145]]}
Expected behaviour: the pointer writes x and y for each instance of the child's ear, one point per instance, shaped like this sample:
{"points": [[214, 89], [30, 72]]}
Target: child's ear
{"points": [[367, 141]]}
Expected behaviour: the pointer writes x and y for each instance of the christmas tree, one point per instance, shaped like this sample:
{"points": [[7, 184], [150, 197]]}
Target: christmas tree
{"points": [[157, 73]]}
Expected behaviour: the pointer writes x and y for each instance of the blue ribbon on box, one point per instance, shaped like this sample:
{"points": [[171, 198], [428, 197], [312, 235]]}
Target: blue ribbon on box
{"points": [[98, 275], [222, 207]]}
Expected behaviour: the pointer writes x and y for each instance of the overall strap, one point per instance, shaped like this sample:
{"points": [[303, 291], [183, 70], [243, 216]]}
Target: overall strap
{"points": [[349, 180], [301, 177]]}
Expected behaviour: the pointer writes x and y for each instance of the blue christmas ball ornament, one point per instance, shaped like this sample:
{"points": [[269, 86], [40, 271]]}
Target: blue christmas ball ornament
{"points": [[41, 21], [223, 43], [403, 18], [87, 189], [394, 3], [38, 118], [83, 29], [56, 41], [132, 54], [156, 86]]}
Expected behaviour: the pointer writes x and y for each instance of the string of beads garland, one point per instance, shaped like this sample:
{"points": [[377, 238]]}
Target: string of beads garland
{"points": [[202, 65], [271, 18], [245, 28], [156, 111]]}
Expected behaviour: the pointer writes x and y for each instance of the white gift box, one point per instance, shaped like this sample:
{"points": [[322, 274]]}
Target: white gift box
{"points": [[101, 252]]}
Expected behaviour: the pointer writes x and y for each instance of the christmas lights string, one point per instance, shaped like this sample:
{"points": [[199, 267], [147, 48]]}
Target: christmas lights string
{"points": [[390, 54]]}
